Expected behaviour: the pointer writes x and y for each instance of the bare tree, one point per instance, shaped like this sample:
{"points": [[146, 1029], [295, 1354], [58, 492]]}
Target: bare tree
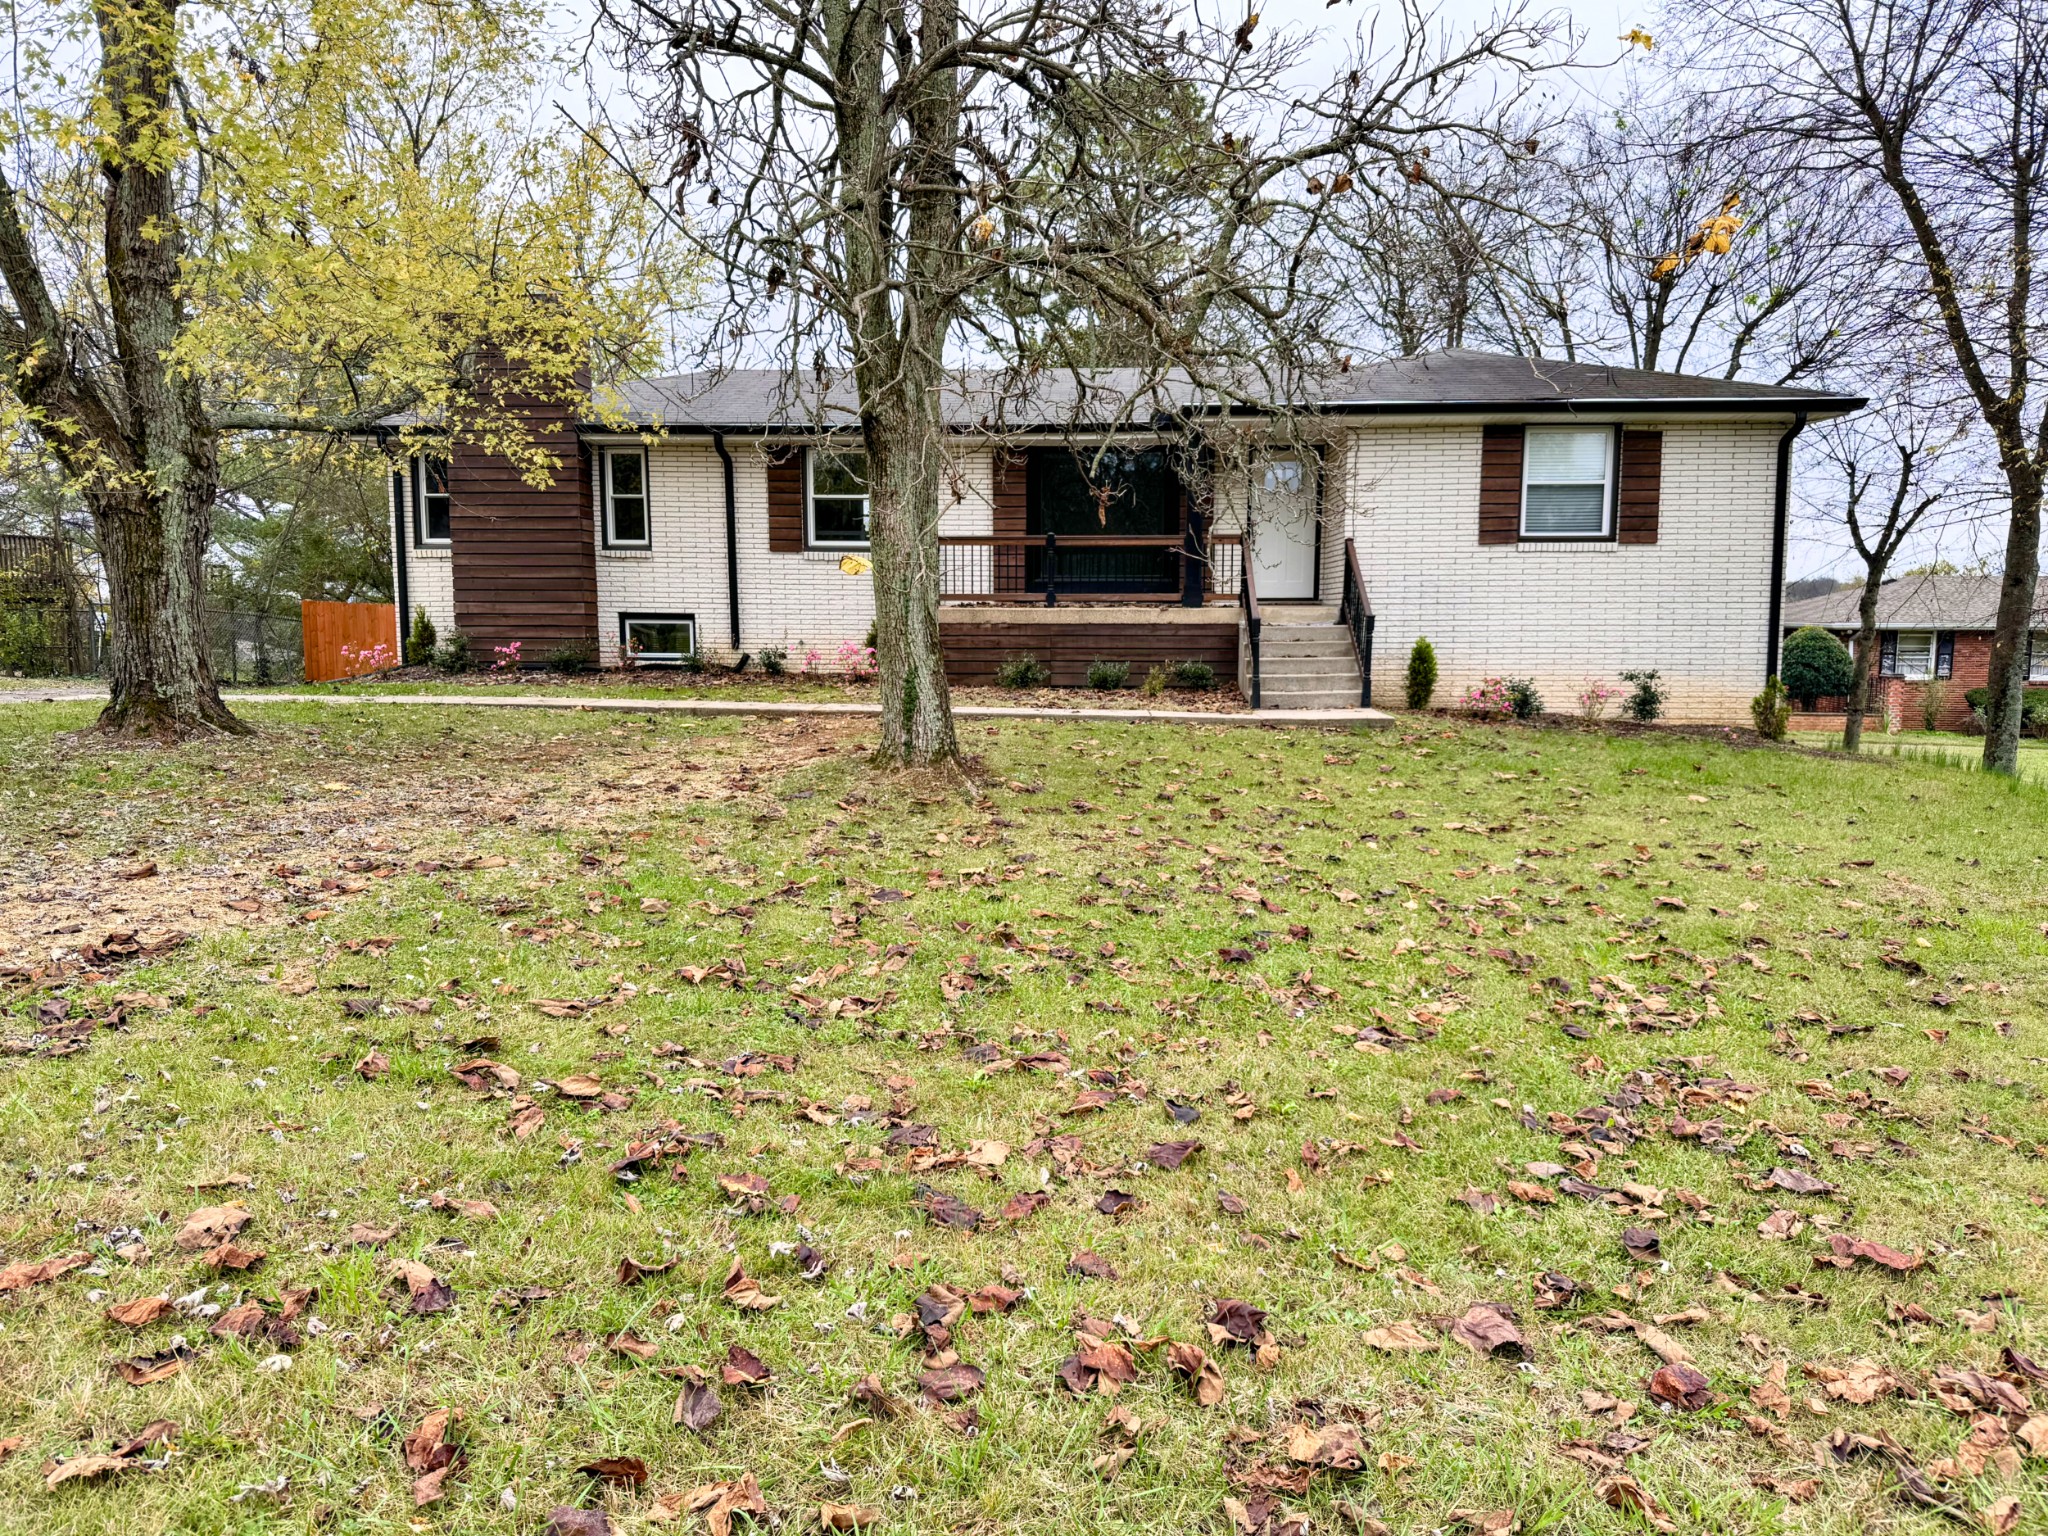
{"points": [[902, 185], [1895, 466], [1942, 107]]}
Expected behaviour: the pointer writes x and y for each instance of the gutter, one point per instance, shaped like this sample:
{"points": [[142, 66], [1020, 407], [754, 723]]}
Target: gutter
{"points": [[732, 539], [1780, 517]]}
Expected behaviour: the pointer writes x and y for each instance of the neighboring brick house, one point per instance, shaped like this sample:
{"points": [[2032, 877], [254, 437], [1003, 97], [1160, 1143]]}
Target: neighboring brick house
{"points": [[1559, 521], [1930, 629]]}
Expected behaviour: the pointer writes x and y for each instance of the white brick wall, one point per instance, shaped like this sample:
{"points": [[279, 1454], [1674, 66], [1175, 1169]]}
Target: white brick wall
{"points": [[1694, 605], [429, 584], [800, 601]]}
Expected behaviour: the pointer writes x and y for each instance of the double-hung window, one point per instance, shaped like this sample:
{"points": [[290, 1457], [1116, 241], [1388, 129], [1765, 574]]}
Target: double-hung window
{"points": [[1567, 482], [836, 500], [626, 524], [431, 524], [2037, 657], [1913, 655]]}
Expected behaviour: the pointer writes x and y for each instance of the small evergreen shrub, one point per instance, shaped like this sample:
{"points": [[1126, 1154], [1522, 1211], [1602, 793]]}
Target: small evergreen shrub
{"points": [[1816, 665], [1524, 702], [1771, 710], [576, 656], [1106, 675], [773, 659], [1933, 700], [1421, 673], [1155, 682], [1645, 701], [419, 645], [452, 654], [1191, 674], [1023, 671]]}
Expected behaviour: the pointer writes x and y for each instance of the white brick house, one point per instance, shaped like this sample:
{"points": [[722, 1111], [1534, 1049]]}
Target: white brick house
{"points": [[1549, 520]]}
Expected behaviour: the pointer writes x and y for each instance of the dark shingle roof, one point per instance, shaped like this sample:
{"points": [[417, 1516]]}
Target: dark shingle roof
{"points": [[1456, 381], [1913, 602]]}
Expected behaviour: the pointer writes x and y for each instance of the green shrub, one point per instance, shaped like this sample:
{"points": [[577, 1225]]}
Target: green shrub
{"points": [[1191, 674], [1933, 700], [1155, 682], [452, 654], [2033, 701], [1524, 702], [1645, 701], [576, 656], [1023, 671], [1816, 665], [419, 645], [26, 640], [1771, 710], [1421, 673], [1109, 674], [691, 661], [773, 659]]}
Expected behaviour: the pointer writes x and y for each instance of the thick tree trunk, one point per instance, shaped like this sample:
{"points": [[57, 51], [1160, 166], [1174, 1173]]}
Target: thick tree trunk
{"points": [[1865, 660], [159, 664], [2005, 699], [906, 466]]}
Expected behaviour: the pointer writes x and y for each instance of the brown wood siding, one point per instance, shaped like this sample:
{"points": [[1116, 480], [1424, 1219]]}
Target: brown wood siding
{"points": [[524, 560], [1500, 486], [1010, 518], [1642, 486], [786, 501], [974, 651]]}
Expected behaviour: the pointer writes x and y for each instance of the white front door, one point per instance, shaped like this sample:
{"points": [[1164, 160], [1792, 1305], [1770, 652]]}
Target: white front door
{"points": [[1283, 530]]}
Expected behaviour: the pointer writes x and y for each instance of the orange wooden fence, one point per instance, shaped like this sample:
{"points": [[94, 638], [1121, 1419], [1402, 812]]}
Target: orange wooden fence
{"points": [[348, 639]]}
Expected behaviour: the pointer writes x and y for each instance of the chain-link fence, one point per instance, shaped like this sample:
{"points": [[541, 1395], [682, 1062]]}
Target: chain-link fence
{"points": [[42, 640]]}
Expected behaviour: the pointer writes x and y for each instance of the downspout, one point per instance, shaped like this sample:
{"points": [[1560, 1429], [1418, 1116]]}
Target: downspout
{"points": [[1780, 518], [401, 591], [732, 539]]}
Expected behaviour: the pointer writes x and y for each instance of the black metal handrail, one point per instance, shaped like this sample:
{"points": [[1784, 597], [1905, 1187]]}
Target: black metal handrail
{"points": [[1248, 599], [1053, 569], [1355, 613]]}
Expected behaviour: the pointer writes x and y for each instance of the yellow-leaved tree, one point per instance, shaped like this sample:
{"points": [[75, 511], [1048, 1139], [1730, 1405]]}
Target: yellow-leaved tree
{"points": [[297, 217]]}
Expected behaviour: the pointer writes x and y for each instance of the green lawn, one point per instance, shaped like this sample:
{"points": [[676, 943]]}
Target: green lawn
{"points": [[1448, 1012]]}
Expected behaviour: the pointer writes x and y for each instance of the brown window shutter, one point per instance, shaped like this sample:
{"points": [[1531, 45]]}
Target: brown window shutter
{"points": [[1009, 519], [1500, 486], [786, 500], [1642, 482]]}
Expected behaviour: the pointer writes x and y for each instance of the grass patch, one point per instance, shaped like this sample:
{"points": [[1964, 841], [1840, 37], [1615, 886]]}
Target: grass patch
{"points": [[1387, 974]]}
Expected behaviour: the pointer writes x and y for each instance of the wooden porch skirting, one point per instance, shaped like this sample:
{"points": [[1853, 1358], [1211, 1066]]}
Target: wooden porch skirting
{"points": [[978, 640]]}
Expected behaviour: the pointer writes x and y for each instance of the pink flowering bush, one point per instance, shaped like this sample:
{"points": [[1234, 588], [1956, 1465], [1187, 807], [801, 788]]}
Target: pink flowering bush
{"points": [[357, 661], [505, 658], [857, 661], [1491, 697], [1595, 697]]}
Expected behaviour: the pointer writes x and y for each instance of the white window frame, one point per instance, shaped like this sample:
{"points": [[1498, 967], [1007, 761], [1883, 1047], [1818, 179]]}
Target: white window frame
{"points": [[656, 658], [811, 539], [1606, 533], [1899, 655], [416, 483], [2037, 656], [611, 538]]}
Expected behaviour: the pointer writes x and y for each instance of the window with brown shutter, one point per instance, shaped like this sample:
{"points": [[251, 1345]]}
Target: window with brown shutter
{"points": [[786, 500], [1642, 483], [1500, 486]]}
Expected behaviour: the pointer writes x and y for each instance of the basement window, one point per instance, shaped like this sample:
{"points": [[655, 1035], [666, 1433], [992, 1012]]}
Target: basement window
{"points": [[657, 639]]}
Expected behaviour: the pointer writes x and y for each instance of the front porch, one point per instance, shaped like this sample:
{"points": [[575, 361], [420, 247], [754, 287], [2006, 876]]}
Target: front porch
{"points": [[1071, 636]]}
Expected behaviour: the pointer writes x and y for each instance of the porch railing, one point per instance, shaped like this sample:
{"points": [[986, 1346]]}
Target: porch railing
{"points": [[1051, 569], [1354, 611], [1248, 600]]}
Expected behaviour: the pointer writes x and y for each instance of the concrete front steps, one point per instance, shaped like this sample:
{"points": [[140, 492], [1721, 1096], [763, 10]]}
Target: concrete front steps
{"points": [[1306, 659]]}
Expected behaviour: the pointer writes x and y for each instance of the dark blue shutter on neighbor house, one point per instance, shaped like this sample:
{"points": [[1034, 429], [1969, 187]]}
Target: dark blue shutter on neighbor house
{"points": [[1888, 654], [1945, 654]]}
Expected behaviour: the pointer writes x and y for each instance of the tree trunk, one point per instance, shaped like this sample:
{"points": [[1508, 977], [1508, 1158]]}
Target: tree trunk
{"points": [[1865, 659], [2005, 698], [153, 506], [906, 467], [158, 661]]}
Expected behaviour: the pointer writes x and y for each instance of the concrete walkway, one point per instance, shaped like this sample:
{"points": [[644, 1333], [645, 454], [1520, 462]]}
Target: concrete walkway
{"points": [[1325, 719]]}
